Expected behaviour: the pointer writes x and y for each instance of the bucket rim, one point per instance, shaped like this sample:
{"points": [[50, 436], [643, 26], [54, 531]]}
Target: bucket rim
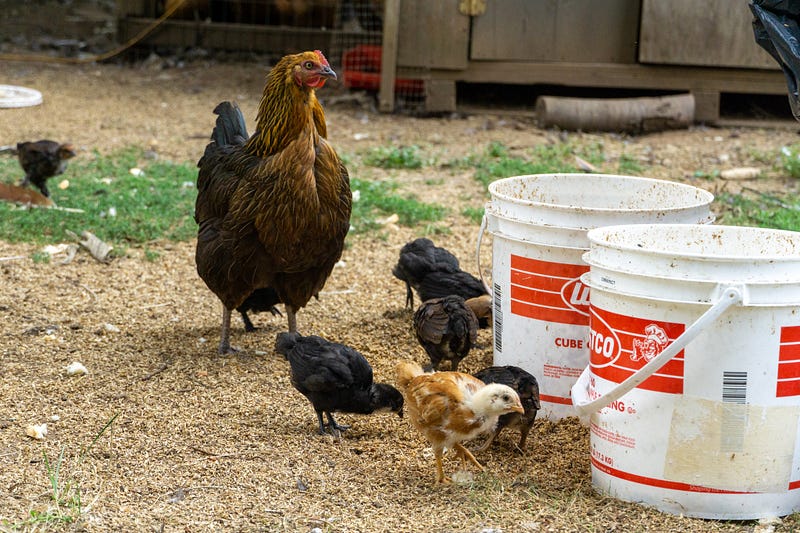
{"points": [[705, 197], [596, 239], [490, 212]]}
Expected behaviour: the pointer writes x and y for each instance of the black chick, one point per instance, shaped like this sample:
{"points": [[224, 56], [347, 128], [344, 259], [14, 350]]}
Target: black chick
{"points": [[418, 259], [446, 328], [434, 272], [527, 388], [42, 160], [335, 378], [260, 300]]}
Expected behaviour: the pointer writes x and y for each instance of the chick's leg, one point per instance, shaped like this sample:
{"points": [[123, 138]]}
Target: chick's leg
{"points": [[440, 478], [248, 324], [466, 454], [321, 423], [489, 441], [333, 425]]}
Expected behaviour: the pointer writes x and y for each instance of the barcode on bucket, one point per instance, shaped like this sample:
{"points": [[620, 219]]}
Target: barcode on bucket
{"points": [[498, 318], [734, 387], [734, 414]]}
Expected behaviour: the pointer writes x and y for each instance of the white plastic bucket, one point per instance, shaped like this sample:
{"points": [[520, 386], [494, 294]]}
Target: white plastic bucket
{"points": [[694, 377], [539, 224]]}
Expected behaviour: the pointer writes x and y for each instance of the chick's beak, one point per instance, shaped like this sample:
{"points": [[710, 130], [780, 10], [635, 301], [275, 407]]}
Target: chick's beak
{"points": [[400, 413], [518, 409]]}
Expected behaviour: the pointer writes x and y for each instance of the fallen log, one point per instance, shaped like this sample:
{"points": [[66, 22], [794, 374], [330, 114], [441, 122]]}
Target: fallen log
{"points": [[631, 115]]}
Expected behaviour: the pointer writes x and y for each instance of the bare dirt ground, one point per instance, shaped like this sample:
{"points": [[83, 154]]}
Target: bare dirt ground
{"points": [[201, 442]]}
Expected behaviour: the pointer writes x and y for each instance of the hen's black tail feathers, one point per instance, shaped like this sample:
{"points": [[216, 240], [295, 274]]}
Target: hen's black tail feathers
{"points": [[230, 128]]}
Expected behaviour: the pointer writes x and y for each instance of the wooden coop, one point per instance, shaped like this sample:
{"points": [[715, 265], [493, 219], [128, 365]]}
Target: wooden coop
{"points": [[427, 49]]}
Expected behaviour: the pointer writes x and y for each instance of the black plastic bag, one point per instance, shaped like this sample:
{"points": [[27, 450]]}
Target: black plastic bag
{"points": [[777, 31]]}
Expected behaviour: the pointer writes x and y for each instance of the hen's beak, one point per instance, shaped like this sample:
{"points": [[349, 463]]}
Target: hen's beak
{"points": [[327, 72]]}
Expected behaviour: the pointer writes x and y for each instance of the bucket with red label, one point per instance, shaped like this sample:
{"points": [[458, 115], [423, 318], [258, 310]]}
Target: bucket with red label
{"points": [[538, 225], [693, 386]]}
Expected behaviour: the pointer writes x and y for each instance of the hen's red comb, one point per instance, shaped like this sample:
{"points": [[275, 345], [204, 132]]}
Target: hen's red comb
{"points": [[322, 58]]}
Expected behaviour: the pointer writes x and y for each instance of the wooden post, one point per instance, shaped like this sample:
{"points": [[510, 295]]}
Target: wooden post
{"points": [[391, 25]]}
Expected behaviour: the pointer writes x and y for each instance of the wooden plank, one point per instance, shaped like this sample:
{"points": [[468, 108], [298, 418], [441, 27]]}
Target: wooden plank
{"points": [[716, 33], [433, 34], [664, 77], [391, 25], [557, 30], [515, 30], [706, 106], [440, 96]]}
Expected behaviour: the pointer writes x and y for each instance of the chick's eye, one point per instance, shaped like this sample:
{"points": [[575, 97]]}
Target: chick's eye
{"points": [[309, 65], [506, 397]]}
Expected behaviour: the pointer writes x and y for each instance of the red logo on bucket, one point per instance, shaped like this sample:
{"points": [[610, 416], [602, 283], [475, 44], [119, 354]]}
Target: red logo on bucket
{"points": [[620, 345], [549, 291], [789, 362]]}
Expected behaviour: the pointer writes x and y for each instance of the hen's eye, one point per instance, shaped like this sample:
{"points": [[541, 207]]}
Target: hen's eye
{"points": [[309, 65]]}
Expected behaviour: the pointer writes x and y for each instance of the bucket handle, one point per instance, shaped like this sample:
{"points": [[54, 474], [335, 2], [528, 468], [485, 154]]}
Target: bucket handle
{"points": [[481, 231], [580, 390]]}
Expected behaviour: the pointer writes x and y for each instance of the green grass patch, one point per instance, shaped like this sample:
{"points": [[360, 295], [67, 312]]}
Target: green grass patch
{"points": [[628, 165], [118, 206], [128, 210], [762, 210], [398, 157], [474, 214], [790, 160], [496, 162], [379, 199]]}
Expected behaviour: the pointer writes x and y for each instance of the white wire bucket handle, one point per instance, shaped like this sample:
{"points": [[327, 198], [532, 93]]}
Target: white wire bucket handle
{"points": [[481, 231], [580, 390]]}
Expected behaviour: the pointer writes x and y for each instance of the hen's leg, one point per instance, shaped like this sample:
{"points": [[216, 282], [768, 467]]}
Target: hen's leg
{"points": [[225, 347], [292, 319], [466, 454], [440, 478]]}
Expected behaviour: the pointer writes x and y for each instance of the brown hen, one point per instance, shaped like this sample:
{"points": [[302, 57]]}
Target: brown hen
{"points": [[274, 208]]}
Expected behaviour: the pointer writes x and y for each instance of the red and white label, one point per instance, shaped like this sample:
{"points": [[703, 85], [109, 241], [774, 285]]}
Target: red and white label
{"points": [[549, 291], [789, 362], [620, 345]]}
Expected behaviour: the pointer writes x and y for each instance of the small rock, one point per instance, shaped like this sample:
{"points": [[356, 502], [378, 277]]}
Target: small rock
{"points": [[76, 368]]}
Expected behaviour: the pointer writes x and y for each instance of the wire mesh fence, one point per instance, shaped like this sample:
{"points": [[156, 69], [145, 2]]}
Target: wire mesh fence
{"points": [[349, 32]]}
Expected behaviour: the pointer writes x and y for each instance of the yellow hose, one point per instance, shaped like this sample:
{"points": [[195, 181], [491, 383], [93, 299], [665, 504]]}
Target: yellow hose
{"points": [[99, 57]]}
